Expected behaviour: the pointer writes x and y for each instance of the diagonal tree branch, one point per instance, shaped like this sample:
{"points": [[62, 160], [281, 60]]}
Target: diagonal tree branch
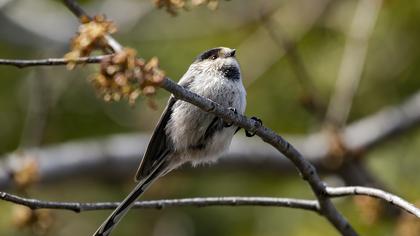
{"points": [[307, 170]]}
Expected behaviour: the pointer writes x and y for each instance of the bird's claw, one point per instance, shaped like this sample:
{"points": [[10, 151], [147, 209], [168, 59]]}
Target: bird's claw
{"points": [[227, 125], [260, 123]]}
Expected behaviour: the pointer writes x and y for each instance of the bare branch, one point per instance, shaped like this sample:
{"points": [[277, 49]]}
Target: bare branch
{"points": [[376, 193], [309, 205]]}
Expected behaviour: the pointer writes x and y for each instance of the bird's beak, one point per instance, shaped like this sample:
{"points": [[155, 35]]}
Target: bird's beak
{"points": [[231, 53]]}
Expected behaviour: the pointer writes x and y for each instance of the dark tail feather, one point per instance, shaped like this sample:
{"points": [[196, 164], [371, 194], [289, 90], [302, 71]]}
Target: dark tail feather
{"points": [[111, 222]]}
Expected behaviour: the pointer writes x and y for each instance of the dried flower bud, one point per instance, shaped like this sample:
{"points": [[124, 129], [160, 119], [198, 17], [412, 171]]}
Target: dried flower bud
{"points": [[172, 6], [21, 216], [407, 224], [124, 75], [28, 173], [40, 221], [370, 209], [90, 36], [211, 4]]}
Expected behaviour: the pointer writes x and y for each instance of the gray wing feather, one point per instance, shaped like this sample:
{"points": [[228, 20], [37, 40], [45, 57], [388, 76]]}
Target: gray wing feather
{"points": [[159, 146]]}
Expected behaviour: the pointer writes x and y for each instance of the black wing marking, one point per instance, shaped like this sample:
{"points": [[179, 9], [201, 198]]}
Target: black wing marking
{"points": [[159, 145]]}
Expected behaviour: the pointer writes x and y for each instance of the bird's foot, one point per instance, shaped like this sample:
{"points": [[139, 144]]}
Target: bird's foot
{"points": [[260, 123], [227, 125]]}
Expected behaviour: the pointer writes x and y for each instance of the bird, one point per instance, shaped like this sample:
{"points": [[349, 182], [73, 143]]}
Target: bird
{"points": [[185, 133]]}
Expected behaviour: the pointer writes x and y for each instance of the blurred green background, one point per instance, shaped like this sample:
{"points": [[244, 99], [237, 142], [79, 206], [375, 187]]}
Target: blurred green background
{"points": [[42, 106]]}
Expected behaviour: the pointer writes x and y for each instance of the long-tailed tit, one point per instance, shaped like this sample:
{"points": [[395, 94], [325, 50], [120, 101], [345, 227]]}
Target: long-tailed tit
{"points": [[185, 133]]}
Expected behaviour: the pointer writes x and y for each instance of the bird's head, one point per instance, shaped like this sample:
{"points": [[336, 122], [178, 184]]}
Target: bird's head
{"points": [[220, 61]]}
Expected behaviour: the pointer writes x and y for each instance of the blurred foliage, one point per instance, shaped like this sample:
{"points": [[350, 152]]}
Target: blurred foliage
{"points": [[74, 111]]}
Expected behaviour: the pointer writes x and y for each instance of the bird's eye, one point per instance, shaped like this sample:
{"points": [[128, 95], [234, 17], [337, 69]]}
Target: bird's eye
{"points": [[213, 57]]}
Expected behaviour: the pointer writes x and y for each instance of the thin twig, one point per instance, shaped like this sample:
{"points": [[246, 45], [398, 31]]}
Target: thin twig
{"points": [[303, 18], [51, 61], [76, 9], [353, 61], [310, 95], [309, 205], [376, 193], [37, 110]]}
